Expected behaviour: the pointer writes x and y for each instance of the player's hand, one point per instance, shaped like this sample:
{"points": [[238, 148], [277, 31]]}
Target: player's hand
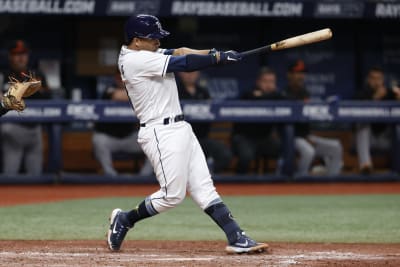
{"points": [[380, 93], [257, 93], [396, 91], [229, 57]]}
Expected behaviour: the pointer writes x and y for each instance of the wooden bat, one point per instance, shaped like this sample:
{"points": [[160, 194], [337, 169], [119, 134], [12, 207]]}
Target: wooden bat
{"points": [[299, 40]]}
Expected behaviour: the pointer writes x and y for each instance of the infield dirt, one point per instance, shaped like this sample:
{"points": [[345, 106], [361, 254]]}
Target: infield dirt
{"points": [[189, 253]]}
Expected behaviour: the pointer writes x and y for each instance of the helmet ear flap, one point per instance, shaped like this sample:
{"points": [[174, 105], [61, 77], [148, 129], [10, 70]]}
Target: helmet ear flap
{"points": [[127, 39]]}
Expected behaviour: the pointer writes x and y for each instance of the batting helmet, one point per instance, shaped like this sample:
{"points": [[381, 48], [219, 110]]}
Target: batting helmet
{"points": [[144, 26]]}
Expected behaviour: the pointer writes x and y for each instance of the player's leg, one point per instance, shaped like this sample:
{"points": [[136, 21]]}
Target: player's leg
{"points": [[306, 155], [12, 148], [33, 161], [203, 192], [102, 149], [363, 142], [332, 152], [166, 148]]}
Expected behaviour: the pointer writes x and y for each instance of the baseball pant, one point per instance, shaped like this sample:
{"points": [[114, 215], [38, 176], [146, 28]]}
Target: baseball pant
{"points": [[179, 164], [329, 149], [365, 140], [104, 145], [22, 144]]}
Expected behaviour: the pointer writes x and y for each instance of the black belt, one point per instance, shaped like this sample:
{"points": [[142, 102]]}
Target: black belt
{"points": [[168, 120]]}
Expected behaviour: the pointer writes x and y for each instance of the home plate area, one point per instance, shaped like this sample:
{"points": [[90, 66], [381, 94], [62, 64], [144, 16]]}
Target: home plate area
{"points": [[193, 253]]}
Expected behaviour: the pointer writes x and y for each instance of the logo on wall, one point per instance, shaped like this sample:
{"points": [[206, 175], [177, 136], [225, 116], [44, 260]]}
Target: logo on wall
{"points": [[128, 7], [56, 7], [317, 112], [198, 111], [118, 112], [82, 111], [350, 9]]}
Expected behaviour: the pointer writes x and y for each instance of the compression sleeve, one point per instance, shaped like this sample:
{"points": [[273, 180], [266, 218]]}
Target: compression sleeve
{"points": [[169, 51], [191, 62]]}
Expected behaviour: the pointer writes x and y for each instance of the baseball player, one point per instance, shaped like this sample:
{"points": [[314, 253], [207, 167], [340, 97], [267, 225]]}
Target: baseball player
{"points": [[166, 139], [13, 99]]}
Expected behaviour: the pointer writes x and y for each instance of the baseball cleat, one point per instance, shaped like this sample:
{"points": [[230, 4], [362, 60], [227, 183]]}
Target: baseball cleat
{"points": [[117, 231], [245, 244]]}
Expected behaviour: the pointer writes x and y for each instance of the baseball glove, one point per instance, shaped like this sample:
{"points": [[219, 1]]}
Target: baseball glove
{"points": [[18, 90]]}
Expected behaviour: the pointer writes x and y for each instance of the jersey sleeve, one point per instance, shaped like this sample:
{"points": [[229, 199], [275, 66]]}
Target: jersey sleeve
{"points": [[150, 64]]}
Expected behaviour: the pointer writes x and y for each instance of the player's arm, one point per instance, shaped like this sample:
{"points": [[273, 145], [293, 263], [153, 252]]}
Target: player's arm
{"points": [[186, 51], [193, 62]]}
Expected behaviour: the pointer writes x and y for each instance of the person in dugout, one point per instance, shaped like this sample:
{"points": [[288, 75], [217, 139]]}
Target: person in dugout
{"points": [[375, 135], [252, 140], [109, 138], [22, 142], [308, 145]]}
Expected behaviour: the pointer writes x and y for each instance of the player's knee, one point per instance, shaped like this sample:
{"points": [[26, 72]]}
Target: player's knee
{"points": [[174, 200], [337, 148], [308, 152], [99, 143]]}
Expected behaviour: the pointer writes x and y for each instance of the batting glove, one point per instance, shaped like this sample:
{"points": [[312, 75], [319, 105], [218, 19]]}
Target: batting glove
{"points": [[229, 57]]}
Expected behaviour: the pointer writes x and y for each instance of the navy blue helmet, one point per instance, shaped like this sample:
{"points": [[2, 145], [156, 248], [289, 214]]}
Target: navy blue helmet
{"points": [[144, 26]]}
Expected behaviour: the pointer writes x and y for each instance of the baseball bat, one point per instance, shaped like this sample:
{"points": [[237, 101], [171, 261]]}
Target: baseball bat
{"points": [[299, 40]]}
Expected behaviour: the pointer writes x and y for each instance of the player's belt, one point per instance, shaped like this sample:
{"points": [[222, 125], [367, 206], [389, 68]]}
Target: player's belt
{"points": [[169, 120]]}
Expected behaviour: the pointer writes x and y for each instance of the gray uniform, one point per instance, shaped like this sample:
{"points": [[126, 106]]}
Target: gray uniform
{"points": [[22, 144], [104, 145], [329, 149], [371, 135], [308, 146], [366, 140]]}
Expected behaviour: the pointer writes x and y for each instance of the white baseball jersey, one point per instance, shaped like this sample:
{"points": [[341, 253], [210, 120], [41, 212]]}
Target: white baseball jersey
{"points": [[152, 91], [173, 149]]}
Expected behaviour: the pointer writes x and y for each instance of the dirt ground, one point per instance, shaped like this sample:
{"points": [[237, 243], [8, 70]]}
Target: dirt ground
{"points": [[187, 253]]}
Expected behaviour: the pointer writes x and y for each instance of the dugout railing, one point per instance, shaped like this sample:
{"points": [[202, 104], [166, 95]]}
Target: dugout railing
{"points": [[58, 113]]}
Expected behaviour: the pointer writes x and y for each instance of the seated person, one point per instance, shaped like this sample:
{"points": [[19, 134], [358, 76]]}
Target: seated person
{"points": [[109, 138], [252, 140], [216, 152], [22, 142], [308, 145], [373, 135]]}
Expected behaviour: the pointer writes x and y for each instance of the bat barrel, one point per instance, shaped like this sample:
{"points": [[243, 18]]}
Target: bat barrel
{"points": [[308, 38]]}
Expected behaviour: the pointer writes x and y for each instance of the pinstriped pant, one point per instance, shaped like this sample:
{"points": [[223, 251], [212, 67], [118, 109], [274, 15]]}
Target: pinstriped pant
{"points": [[179, 164]]}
